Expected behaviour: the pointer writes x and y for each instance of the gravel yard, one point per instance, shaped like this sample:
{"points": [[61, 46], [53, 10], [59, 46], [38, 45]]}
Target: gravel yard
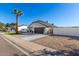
{"points": [[61, 43]]}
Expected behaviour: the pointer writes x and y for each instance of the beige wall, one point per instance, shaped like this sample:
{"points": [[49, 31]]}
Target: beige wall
{"points": [[47, 30]]}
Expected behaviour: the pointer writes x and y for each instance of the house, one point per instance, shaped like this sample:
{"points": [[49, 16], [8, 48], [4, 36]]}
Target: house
{"points": [[39, 26], [10, 29], [22, 28]]}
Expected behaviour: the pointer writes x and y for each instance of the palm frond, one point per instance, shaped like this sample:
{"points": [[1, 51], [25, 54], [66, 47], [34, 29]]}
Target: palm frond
{"points": [[17, 12]]}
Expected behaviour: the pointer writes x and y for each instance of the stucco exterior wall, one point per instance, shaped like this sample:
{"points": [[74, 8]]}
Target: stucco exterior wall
{"points": [[47, 30]]}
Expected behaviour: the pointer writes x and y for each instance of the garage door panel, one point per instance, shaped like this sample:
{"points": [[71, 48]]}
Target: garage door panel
{"points": [[39, 30]]}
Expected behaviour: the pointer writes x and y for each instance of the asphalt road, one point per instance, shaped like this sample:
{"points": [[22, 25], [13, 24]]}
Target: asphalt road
{"points": [[7, 49]]}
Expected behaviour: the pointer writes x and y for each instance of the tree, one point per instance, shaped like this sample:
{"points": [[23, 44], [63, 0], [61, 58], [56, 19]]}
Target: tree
{"points": [[7, 25], [2, 26], [18, 13], [12, 24]]}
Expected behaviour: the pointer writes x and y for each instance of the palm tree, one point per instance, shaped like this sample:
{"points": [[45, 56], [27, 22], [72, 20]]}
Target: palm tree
{"points": [[17, 13]]}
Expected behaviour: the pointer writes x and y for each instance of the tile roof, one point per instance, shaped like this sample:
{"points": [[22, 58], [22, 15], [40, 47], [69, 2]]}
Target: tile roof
{"points": [[43, 23]]}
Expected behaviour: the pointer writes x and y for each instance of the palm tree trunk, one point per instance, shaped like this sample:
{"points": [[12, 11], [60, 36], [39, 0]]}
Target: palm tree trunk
{"points": [[16, 24]]}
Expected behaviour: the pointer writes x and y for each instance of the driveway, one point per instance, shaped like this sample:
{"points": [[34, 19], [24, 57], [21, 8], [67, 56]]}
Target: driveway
{"points": [[29, 36]]}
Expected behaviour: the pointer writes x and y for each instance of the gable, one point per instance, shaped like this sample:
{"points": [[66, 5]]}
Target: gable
{"points": [[37, 25]]}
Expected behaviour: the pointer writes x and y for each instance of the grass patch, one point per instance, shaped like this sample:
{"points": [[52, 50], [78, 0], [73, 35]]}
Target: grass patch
{"points": [[12, 33]]}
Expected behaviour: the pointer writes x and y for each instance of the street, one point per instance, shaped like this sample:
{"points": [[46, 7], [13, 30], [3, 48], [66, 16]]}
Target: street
{"points": [[7, 49]]}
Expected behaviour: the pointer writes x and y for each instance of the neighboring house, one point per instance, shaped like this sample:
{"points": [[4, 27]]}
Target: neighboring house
{"points": [[22, 28], [41, 27], [10, 29]]}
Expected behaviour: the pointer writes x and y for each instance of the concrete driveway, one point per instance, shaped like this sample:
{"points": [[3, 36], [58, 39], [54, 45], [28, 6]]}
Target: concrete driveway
{"points": [[29, 36]]}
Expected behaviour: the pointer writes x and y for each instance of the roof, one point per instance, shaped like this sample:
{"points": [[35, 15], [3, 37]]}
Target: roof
{"points": [[22, 25], [43, 23]]}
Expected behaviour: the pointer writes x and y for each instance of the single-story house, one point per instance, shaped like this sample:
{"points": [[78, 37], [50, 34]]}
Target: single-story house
{"points": [[39, 26], [22, 28], [10, 29]]}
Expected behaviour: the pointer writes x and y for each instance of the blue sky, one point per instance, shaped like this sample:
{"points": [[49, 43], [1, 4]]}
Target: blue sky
{"points": [[60, 14]]}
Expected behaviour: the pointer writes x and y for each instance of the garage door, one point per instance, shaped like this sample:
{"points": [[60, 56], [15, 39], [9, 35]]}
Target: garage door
{"points": [[39, 30]]}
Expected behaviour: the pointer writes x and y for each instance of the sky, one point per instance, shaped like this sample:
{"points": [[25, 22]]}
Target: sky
{"points": [[60, 14]]}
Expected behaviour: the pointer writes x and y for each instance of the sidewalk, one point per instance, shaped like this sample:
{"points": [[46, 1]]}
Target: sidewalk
{"points": [[27, 46]]}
